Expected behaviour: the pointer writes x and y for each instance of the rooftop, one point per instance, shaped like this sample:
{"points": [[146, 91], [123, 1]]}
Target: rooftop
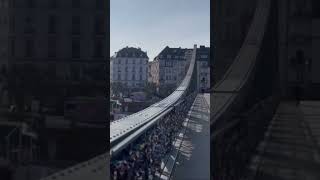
{"points": [[131, 52], [173, 53]]}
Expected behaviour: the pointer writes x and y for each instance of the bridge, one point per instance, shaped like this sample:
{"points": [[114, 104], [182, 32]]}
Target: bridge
{"points": [[125, 131], [257, 131]]}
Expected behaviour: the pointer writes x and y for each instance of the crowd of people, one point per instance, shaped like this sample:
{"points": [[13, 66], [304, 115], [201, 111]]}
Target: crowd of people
{"points": [[142, 160]]}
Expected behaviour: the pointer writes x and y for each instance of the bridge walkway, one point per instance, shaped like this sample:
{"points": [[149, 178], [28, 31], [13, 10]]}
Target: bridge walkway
{"points": [[194, 159], [291, 147]]}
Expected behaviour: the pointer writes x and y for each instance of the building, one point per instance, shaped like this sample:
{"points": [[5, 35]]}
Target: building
{"points": [[203, 68], [129, 66], [170, 66], [61, 42], [153, 72], [52, 51]]}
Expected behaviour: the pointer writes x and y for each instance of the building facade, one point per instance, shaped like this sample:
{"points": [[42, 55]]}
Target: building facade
{"points": [[170, 66], [203, 68], [53, 44], [153, 72], [61, 42], [129, 66]]}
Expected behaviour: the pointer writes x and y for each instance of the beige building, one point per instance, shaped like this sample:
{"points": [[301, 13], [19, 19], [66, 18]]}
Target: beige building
{"points": [[170, 66], [153, 72]]}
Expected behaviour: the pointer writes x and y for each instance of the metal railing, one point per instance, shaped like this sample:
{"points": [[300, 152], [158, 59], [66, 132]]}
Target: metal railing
{"points": [[235, 130], [121, 130]]}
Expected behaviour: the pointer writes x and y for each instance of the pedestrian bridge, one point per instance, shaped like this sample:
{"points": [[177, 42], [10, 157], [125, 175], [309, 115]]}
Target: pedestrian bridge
{"points": [[239, 114], [124, 131]]}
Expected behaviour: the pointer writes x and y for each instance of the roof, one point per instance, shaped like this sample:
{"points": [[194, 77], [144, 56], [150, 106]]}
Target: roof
{"points": [[180, 52], [203, 51], [131, 52]]}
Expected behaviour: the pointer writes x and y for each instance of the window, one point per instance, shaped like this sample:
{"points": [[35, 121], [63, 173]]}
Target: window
{"points": [[133, 77], [75, 48], [140, 68], [119, 76], [133, 69], [29, 48], [126, 69], [76, 3], [140, 77], [76, 25], [133, 61], [98, 48], [52, 48], [52, 24]]}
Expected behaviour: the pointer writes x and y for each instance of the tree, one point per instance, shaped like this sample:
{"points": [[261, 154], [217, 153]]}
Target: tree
{"points": [[117, 88]]}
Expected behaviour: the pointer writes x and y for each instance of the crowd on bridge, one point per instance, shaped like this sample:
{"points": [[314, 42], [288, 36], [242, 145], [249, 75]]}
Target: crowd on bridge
{"points": [[142, 160]]}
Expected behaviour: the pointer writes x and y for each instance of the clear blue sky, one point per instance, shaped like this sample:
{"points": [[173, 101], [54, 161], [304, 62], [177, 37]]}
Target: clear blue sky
{"points": [[154, 24]]}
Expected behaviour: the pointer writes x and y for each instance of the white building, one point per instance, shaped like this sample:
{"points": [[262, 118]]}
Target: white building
{"points": [[129, 66]]}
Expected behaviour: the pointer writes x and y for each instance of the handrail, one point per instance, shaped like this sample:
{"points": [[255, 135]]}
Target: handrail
{"points": [[239, 72], [140, 118], [235, 137]]}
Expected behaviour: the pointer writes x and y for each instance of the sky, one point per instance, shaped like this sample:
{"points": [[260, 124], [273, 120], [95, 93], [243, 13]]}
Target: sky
{"points": [[154, 24]]}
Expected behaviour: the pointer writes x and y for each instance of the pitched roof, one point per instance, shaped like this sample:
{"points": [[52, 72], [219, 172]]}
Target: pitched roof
{"points": [[131, 52], [173, 52], [203, 51]]}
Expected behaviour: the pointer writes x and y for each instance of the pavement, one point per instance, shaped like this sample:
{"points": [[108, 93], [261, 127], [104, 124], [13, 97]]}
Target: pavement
{"points": [[193, 162], [291, 148]]}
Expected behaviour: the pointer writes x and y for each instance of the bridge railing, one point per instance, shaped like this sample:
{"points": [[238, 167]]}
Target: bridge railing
{"points": [[126, 130], [235, 130]]}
